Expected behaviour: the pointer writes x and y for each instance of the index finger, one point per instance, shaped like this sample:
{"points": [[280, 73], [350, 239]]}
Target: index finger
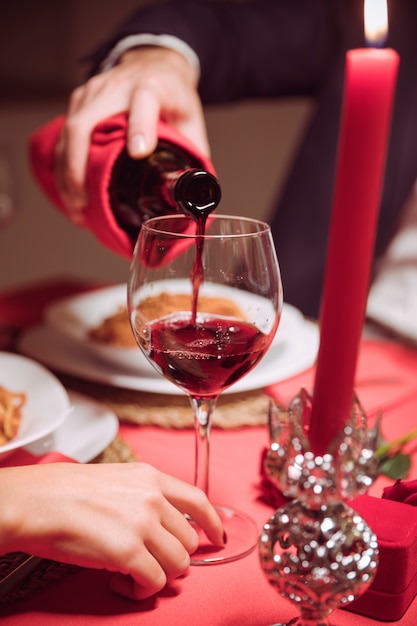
{"points": [[193, 502], [144, 113]]}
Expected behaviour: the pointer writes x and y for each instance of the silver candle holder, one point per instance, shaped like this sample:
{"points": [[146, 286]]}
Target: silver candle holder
{"points": [[316, 550]]}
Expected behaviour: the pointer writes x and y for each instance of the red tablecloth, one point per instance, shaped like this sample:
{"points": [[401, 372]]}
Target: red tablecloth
{"points": [[230, 594], [235, 593]]}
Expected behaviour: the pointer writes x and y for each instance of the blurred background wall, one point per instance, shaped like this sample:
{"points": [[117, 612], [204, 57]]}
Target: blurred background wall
{"points": [[41, 44]]}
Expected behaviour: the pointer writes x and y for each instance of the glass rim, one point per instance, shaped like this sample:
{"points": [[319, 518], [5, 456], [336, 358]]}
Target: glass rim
{"points": [[149, 226]]}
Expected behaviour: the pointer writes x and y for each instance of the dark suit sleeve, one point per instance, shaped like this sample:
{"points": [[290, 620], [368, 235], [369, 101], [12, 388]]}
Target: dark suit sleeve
{"points": [[251, 49]]}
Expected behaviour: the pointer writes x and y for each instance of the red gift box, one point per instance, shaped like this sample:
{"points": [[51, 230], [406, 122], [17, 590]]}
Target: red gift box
{"points": [[395, 584]]}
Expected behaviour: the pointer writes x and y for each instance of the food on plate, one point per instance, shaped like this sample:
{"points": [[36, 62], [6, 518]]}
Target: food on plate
{"points": [[115, 330], [163, 304], [10, 414]]}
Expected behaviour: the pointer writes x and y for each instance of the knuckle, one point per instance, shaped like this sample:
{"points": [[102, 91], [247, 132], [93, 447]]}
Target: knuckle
{"points": [[148, 472], [75, 96], [200, 499]]}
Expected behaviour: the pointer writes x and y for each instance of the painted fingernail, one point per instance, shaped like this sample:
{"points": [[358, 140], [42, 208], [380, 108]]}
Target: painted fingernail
{"points": [[138, 144]]}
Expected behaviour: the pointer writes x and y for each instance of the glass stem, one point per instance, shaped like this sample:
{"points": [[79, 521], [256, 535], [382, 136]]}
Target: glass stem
{"points": [[202, 408]]}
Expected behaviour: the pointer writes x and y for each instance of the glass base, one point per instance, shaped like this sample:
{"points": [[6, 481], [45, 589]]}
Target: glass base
{"points": [[242, 539]]}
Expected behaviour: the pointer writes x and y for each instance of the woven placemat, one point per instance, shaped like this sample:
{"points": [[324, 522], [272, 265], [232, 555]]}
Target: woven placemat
{"points": [[233, 410], [47, 571]]}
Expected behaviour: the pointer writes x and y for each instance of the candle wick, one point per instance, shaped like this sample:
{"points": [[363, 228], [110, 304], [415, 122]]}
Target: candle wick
{"points": [[377, 42]]}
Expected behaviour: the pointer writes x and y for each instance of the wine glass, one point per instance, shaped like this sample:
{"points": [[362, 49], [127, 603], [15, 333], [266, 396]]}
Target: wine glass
{"points": [[204, 305]]}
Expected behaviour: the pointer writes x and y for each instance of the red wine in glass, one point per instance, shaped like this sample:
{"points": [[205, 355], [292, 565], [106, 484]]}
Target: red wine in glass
{"points": [[207, 355]]}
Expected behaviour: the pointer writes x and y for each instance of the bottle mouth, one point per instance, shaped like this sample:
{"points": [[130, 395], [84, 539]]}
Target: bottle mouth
{"points": [[197, 193]]}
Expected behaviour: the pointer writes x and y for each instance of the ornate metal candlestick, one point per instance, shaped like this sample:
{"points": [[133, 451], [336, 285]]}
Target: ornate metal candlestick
{"points": [[317, 551]]}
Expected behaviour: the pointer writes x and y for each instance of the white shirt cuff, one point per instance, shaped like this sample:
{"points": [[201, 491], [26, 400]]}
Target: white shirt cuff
{"points": [[147, 39]]}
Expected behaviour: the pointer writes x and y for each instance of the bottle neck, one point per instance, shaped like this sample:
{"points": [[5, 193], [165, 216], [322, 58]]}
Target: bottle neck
{"points": [[193, 192]]}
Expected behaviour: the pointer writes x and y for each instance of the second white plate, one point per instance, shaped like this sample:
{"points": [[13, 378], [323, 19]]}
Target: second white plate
{"points": [[86, 432], [47, 404]]}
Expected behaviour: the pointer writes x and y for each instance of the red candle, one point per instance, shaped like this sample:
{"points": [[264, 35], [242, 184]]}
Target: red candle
{"points": [[369, 88]]}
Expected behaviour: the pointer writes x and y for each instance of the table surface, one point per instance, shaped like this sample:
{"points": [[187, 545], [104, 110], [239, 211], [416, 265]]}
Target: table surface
{"points": [[229, 594]]}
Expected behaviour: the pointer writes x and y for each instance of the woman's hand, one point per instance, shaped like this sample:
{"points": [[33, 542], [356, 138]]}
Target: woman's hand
{"points": [[127, 518], [149, 83]]}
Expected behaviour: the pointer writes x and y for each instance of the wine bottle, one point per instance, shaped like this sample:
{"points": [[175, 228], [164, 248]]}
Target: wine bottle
{"points": [[170, 180]]}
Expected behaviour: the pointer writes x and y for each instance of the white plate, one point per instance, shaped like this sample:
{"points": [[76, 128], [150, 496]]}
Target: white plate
{"points": [[47, 403], [76, 316], [86, 432], [284, 360]]}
